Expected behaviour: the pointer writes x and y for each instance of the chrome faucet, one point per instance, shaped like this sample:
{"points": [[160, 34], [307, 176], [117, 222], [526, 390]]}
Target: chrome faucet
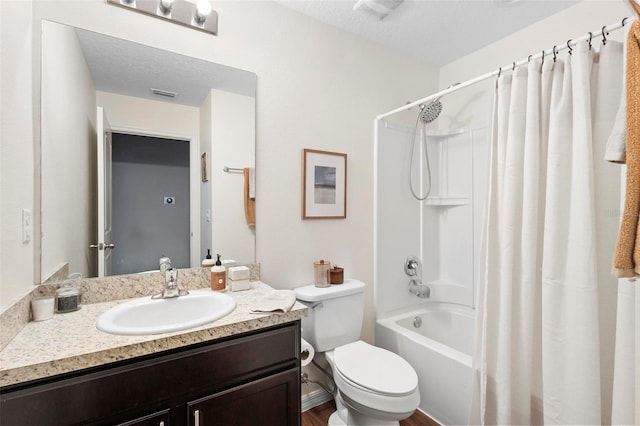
{"points": [[412, 266], [416, 287], [165, 264], [170, 281]]}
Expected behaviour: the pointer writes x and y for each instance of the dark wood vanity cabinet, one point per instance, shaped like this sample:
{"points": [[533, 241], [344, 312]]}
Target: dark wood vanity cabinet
{"points": [[249, 379]]}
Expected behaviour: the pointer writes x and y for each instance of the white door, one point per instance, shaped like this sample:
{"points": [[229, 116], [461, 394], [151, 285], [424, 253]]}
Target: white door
{"points": [[105, 244]]}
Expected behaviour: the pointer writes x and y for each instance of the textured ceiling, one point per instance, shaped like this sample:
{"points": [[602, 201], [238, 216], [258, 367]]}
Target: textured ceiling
{"points": [[433, 31], [127, 68]]}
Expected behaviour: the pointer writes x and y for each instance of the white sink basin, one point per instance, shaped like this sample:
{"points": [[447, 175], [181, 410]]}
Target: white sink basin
{"points": [[154, 316]]}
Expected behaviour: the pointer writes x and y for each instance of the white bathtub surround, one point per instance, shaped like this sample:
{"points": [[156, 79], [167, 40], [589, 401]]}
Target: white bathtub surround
{"points": [[539, 354], [437, 341]]}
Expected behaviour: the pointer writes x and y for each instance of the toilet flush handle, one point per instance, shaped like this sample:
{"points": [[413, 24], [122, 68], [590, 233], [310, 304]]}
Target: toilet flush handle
{"points": [[317, 306]]}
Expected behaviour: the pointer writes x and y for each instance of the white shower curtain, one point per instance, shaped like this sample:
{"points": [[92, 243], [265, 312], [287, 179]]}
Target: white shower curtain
{"points": [[549, 240]]}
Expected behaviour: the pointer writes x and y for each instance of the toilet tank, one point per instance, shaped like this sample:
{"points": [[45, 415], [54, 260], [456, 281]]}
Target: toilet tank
{"points": [[335, 314]]}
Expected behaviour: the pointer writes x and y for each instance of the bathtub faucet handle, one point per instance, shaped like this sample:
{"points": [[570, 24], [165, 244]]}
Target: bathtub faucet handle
{"points": [[412, 266]]}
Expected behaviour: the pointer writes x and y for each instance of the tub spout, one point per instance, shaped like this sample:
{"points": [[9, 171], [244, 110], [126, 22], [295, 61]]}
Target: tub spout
{"points": [[416, 287]]}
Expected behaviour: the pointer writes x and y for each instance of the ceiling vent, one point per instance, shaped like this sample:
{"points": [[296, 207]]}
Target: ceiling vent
{"points": [[163, 93], [378, 8]]}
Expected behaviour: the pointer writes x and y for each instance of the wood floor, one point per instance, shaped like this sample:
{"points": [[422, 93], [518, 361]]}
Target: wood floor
{"points": [[319, 416]]}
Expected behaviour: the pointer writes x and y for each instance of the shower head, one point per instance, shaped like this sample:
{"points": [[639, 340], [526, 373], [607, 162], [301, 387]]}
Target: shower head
{"points": [[430, 112]]}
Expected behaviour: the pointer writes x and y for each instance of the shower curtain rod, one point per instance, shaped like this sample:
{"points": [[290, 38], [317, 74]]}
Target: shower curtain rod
{"points": [[510, 67]]}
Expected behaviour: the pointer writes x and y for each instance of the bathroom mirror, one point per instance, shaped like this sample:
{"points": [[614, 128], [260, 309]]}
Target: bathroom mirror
{"points": [[182, 137]]}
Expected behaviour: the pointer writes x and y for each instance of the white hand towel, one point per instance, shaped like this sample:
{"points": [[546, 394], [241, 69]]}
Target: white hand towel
{"points": [[279, 301], [616, 151]]}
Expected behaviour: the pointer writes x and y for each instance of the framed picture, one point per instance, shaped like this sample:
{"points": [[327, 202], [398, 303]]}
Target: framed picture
{"points": [[324, 185], [203, 167]]}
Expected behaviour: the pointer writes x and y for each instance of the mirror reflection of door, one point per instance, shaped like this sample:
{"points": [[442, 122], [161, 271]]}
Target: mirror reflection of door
{"points": [[150, 201], [105, 244]]}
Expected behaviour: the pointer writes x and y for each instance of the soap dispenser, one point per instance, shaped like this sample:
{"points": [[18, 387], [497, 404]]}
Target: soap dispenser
{"points": [[207, 261], [218, 276]]}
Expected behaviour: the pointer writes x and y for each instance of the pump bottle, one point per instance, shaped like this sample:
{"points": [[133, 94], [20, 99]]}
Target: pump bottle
{"points": [[218, 276]]}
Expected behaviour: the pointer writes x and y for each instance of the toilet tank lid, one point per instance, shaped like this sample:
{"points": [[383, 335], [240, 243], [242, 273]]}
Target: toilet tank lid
{"points": [[311, 293]]}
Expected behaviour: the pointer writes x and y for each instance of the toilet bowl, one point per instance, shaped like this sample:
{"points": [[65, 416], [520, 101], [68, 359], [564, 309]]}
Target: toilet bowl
{"points": [[378, 386], [375, 386]]}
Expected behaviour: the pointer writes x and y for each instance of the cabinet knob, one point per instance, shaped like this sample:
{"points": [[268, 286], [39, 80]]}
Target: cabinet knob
{"points": [[196, 417], [161, 423]]}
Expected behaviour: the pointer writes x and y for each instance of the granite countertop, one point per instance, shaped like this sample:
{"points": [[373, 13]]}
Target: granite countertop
{"points": [[70, 342]]}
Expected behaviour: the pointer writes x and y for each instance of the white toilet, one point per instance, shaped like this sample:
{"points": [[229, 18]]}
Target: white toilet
{"points": [[375, 386]]}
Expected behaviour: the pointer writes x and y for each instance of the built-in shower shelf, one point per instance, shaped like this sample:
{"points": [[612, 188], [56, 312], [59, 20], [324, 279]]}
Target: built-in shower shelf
{"points": [[447, 201], [444, 133]]}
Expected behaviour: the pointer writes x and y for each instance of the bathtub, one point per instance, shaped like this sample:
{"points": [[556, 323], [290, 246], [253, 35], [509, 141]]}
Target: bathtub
{"points": [[439, 347]]}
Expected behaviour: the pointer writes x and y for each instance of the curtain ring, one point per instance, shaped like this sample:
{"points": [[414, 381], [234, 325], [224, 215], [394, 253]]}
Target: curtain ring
{"points": [[624, 19], [499, 72], [590, 38], [569, 46], [529, 58], [555, 53], [542, 64], [604, 35], [514, 66]]}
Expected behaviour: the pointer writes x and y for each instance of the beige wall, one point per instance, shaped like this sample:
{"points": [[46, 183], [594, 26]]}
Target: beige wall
{"points": [[68, 150], [16, 148], [233, 145]]}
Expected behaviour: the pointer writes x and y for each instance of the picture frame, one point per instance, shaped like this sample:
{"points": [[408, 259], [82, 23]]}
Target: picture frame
{"points": [[204, 168], [324, 184]]}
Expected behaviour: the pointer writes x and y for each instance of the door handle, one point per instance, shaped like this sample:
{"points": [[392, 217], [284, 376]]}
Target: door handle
{"points": [[103, 246]]}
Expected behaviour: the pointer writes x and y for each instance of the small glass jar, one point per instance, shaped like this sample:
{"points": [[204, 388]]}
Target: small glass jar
{"points": [[321, 273], [67, 299]]}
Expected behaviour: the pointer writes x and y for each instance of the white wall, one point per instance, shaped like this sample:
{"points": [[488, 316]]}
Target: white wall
{"points": [[68, 154], [16, 149], [472, 106], [232, 145]]}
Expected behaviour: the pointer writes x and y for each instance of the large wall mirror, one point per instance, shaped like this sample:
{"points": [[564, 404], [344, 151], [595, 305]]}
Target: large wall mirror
{"points": [[145, 153]]}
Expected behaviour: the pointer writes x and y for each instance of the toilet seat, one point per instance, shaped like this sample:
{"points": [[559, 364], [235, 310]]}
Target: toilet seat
{"points": [[376, 378], [375, 369]]}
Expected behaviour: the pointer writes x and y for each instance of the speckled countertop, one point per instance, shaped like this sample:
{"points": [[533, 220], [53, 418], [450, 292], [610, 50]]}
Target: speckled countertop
{"points": [[70, 342]]}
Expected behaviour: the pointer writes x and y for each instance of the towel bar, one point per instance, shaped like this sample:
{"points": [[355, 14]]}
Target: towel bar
{"points": [[232, 170]]}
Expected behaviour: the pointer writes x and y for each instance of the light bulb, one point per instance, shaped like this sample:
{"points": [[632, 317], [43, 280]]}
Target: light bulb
{"points": [[203, 9], [165, 6]]}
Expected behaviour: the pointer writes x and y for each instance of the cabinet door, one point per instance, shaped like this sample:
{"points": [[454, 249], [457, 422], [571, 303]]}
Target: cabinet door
{"points": [[273, 400], [160, 418]]}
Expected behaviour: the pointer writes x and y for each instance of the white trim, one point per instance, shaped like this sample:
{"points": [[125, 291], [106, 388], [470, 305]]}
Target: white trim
{"points": [[314, 399]]}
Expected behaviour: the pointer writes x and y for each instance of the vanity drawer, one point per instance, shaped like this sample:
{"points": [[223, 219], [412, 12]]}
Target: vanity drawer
{"points": [[117, 394]]}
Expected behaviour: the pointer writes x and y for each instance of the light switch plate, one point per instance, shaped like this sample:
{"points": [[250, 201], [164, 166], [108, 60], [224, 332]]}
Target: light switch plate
{"points": [[27, 225]]}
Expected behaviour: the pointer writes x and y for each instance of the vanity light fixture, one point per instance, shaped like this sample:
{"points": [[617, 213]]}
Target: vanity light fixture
{"points": [[198, 16]]}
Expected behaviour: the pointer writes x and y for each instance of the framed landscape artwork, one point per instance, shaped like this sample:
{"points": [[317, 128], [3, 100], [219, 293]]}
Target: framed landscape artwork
{"points": [[324, 185]]}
